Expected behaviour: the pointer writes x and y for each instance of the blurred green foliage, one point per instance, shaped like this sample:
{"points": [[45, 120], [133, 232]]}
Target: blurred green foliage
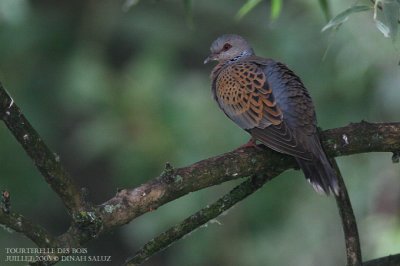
{"points": [[118, 88]]}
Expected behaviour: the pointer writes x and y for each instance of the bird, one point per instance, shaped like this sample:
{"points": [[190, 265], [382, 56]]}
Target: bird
{"points": [[269, 101]]}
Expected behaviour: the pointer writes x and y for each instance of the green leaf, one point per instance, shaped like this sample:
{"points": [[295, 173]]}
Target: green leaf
{"points": [[344, 16], [325, 8], [246, 8], [276, 7], [391, 12]]}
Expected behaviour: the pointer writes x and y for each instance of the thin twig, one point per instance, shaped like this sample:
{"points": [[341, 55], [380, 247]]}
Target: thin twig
{"points": [[16, 222], [391, 260], [349, 224], [196, 220]]}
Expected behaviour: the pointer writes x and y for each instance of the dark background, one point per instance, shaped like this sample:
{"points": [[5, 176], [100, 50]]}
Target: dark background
{"points": [[118, 92]]}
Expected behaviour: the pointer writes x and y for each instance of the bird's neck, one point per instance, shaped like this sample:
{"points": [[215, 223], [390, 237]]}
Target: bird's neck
{"points": [[241, 56], [224, 63]]}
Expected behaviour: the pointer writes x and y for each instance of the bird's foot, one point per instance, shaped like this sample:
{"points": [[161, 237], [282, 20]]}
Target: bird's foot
{"points": [[250, 144]]}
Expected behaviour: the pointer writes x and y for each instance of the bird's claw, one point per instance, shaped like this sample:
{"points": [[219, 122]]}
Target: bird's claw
{"points": [[250, 144]]}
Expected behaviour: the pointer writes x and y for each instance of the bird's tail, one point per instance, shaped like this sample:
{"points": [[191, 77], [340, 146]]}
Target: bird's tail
{"points": [[319, 172]]}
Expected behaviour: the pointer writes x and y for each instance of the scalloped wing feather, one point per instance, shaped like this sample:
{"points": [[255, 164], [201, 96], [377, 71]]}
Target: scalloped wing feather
{"points": [[245, 95]]}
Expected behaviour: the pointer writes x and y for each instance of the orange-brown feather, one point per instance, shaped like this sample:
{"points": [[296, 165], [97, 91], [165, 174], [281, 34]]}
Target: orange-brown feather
{"points": [[245, 95]]}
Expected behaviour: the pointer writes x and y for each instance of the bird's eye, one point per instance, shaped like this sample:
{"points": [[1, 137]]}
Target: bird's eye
{"points": [[226, 47]]}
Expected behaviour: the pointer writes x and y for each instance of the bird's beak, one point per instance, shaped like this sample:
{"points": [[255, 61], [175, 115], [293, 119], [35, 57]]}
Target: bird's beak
{"points": [[211, 57]]}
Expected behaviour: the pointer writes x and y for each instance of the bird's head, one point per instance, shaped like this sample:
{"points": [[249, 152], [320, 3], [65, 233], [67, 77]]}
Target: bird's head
{"points": [[228, 47]]}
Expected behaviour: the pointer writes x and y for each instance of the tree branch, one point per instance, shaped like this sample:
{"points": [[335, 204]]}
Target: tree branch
{"points": [[130, 203], [165, 239], [45, 160], [18, 223], [196, 220], [349, 224], [391, 260]]}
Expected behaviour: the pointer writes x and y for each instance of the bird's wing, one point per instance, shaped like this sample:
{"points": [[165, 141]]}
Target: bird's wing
{"points": [[245, 95]]}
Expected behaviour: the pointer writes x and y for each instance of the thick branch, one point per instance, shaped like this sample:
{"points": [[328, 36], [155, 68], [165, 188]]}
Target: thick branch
{"points": [[45, 160], [130, 203]]}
